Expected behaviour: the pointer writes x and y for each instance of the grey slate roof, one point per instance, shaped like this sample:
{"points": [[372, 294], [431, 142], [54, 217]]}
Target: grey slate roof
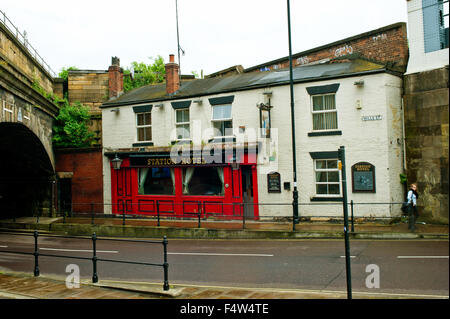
{"points": [[245, 81]]}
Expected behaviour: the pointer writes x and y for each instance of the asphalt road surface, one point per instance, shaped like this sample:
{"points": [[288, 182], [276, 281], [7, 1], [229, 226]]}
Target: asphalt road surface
{"points": [[415, 267]]}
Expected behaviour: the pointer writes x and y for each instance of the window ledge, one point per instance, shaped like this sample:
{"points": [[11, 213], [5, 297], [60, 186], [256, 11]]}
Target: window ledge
{"points": [[142, 144], [326, 199], [325, 133]]}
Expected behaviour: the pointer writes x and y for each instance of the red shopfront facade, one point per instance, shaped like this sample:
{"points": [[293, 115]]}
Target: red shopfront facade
{"points": [[152, 184]]}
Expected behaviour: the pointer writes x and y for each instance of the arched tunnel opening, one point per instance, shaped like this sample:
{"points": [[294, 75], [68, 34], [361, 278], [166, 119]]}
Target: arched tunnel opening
{"points": [[26, 173]]}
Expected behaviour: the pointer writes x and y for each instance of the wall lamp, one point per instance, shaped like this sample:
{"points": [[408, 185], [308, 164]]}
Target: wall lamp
{"points": [[359, 83], [159, 105], [117, 110], [199, 102], [116, 162]]}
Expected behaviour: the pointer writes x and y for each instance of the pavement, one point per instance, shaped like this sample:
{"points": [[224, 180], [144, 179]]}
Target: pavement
{"points": [[25, 286]]}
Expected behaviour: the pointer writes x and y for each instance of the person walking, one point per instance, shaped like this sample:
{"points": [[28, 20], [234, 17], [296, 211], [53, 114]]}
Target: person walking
{"points": [[412, 206]]}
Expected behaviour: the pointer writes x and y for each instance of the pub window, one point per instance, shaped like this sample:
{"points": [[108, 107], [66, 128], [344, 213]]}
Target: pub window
{"points": [[324, 112], [156, 181], [182, 124], [221, 119], [327, 177], [144, 127], [203, 181]]}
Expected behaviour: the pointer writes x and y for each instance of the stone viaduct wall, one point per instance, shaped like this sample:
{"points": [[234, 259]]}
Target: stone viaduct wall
{"points": [[426, 103]]}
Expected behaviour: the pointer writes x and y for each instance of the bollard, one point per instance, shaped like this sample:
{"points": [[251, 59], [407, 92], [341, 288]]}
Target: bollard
{"points": [[166, 266], [94, 258], [36, 254]]}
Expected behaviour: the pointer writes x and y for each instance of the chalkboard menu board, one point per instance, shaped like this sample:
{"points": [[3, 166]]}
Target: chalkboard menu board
{"points": [[273, 182], [363, 177]]}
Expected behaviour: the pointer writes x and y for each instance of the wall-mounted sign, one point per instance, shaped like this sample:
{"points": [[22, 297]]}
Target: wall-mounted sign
{"points": [[372, 118], [363, 178], [273, 182]]}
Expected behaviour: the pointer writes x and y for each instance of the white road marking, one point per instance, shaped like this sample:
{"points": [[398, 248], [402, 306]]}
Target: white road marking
{"points": [[350, 256], [1, 246], [218, 254], [80, 250], [420, 257]]}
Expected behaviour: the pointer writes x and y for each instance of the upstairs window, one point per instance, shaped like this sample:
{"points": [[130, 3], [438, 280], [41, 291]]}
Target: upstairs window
{"points": [[324, 112], [221, 119], [182, 124], [144, 127]]}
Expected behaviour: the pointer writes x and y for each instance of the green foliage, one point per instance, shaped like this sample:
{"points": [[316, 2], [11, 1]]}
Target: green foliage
{"points": [[65, 72], [71, 126], [403, 178], [144, 74]]}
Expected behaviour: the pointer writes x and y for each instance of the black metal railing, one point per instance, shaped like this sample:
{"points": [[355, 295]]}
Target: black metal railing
{"points": [[95, 259], [232, 212]]}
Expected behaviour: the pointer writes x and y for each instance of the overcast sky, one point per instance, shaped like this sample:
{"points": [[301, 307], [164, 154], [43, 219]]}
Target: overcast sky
{"points": [[215, 34]]}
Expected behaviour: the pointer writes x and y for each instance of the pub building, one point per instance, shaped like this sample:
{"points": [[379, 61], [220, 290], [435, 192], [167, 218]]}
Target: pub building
{"points": [[348, 102], [213, 182]]}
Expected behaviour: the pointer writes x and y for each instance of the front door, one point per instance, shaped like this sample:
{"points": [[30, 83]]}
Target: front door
{"points": [[247, 191], [124, 200]]}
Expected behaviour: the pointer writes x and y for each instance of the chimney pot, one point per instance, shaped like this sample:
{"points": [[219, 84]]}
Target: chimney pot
{"points": [[172, 58]]}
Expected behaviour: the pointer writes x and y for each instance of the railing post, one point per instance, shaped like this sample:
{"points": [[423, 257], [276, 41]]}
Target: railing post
{"points": [[92, 214], [166, 266], [123, 212], [94, 258], [243, 215], [199, 213], [64, 211], [157, 211], [36, 254], [353, 223]]}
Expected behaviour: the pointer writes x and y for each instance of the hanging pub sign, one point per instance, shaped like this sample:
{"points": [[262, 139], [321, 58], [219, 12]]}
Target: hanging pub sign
{"points": [[363, 178], [273, 182]]}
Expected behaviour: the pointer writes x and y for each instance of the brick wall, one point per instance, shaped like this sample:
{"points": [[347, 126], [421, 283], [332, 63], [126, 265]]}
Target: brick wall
{"points": [[387, 45], [87, 178]]}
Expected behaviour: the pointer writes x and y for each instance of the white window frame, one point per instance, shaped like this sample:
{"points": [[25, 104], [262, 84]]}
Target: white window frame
{"points": [[143, 126], [327, 183], [322, 112], [221, 120], [182, 123]]}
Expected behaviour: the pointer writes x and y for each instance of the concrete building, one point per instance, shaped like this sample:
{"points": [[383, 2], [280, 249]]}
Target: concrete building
{"points": [[165, 136], [426, 103]]}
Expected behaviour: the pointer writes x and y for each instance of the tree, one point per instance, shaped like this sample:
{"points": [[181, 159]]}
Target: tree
{"points": [[65, 72], [71, 126], [144, 74]]}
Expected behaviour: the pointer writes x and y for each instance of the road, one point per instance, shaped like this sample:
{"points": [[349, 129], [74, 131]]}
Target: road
{"points": [[416, 267]]}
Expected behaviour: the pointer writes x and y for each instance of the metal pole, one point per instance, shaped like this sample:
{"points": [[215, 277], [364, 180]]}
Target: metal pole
{"points": [[94, 258], [165, 265], [353, 222], [341, 155], [36, 254], [294, 160]]}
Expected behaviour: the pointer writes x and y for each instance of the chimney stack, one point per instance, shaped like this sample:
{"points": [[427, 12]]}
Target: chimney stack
{"points": [[172, 76], [115, 75]]}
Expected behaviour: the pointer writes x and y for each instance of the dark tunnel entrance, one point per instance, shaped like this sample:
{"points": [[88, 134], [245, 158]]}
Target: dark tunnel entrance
{"points": [[26, 173]]}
